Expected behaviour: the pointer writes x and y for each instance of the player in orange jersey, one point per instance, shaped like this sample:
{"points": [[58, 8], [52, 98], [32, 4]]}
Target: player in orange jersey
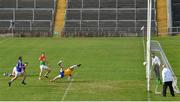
{"points": [[65, 72]]}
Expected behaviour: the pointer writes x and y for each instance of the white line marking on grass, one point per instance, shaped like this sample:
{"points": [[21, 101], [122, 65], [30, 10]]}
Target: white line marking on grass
{"points": [[67, 89], [148, 97]]}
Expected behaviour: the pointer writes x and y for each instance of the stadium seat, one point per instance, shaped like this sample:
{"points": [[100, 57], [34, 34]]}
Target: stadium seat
{"points": [[102, 17]]}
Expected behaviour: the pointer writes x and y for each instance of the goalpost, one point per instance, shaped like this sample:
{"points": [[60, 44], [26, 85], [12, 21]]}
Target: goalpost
{"points": [[148, 43], [156, 47]]}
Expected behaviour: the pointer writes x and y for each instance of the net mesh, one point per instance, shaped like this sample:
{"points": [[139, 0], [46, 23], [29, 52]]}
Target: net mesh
{"points": [[156, 47]]}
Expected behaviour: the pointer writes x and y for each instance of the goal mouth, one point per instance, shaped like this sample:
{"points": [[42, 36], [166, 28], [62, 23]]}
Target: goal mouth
{"points": [[156, 47]]}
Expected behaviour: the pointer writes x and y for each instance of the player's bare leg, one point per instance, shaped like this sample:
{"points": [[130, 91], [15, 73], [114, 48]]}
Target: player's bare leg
{"points": [[40, 74], [12, 74], [14, 78], [55, 78], [24, 78], [48, 71]]}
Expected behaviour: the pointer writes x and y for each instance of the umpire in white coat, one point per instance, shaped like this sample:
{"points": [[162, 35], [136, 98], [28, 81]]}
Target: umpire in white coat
{"points": [[167, 79]]}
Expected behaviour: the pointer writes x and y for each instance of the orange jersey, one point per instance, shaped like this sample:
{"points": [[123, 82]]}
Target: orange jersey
{"points": [[67, 72]]}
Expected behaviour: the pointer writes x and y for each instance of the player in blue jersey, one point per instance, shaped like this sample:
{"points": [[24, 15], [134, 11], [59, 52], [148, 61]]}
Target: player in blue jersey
{"points": [[14, 70], [18, 71]]}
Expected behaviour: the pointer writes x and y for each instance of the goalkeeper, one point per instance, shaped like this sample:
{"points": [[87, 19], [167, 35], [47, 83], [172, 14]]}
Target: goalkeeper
{"points": [[156, 63], [65, 72]]}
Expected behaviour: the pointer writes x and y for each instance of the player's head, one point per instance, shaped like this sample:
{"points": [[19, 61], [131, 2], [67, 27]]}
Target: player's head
{"points": [[153, 55], [42, 53], [163, 65], [60, 64], [20, 58]]}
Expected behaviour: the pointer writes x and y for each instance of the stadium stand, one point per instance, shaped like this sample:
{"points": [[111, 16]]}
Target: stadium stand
{"points": [[27, 14], [75, 4], [45, 4], [108, 4], [90, 4], [43, 15], [89, 15], [73, 15], [27, 17], [176, 16], [26, 4], [106, 17], [4, 26], [8, 4], [6, 14], [142, 4]]}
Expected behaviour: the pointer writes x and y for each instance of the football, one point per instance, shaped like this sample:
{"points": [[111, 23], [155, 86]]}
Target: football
{"points": [[144, 63]]}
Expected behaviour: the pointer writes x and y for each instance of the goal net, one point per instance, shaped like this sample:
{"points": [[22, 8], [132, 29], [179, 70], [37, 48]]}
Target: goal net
{"points": [[156, 47]]}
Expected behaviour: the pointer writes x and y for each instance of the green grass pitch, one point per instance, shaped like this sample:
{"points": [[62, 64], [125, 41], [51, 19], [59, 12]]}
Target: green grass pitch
{"points": [[111, 69]]}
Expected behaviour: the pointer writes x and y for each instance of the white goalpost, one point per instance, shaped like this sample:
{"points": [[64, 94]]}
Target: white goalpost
{"points": [[154, 46], [148, 43]]}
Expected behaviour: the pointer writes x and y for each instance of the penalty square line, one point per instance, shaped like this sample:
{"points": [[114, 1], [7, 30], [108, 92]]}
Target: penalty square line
{"points": [[67, 89]]}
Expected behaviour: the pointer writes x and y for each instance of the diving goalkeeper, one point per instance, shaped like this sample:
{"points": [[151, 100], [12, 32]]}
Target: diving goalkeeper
{"points": [[65, 72]]}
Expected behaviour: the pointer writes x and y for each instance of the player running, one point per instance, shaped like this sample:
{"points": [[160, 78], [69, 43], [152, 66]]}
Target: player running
{"points": [[18, 71], [14, 70], [43, 66], [65, 72]]}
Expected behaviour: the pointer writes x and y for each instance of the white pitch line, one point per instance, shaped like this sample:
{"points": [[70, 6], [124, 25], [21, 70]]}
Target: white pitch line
{"points": [[67, 89]]}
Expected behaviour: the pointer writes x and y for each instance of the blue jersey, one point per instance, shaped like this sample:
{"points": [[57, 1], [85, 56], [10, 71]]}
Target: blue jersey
{"points": [[62, 74], [19, 66]]}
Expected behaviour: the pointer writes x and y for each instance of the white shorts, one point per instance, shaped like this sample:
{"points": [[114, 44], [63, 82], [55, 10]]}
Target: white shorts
{"points": [[14, 69], [16, 72], [43, 67]]}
